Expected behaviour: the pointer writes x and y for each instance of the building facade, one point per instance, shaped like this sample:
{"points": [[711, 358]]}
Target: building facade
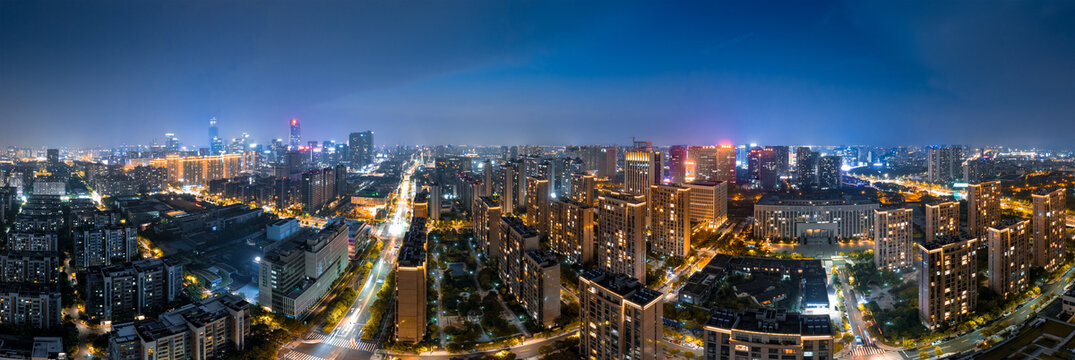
{"points": [[983, 203], [893, 231], [1011, 255], [621, 227], [1049, 221], [942, 220], [948, 280], [670, 219], [621, 318], [826, 216]]}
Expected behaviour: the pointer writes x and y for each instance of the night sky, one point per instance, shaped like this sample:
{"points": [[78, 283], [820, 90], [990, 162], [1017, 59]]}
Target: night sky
{"points": [[499, 72]]}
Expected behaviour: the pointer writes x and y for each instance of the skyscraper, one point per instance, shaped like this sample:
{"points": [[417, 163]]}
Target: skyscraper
{"points": [[892, 234], [806, 162], [1049, 222], [677, 159], [641, 169], [725, 169], [828, 172], [983, 202], [621, 238], [216, 145], [360, 144], [537, 205], [294, 140], [571, 228]]}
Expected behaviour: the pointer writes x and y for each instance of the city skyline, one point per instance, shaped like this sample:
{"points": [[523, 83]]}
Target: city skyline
{"points": [[494, 73]]}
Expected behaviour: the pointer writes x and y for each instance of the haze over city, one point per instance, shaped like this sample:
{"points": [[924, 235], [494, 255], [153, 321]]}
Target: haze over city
{"points": [[491, 72]]}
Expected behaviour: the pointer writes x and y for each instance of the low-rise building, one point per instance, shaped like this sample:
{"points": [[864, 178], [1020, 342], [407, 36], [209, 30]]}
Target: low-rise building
{"points": [[820, 216]]}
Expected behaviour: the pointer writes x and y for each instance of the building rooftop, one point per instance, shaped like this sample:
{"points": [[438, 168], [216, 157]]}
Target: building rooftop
{"points": [[942, 241], [774, 321], [517, 224], [625, 286], [542, 259], [815, 198], [623, 196]]}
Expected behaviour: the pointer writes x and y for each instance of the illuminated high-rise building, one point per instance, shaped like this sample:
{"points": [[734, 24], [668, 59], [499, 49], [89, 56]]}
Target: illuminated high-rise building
{"points": [[216, 144], [537, 204], [583, 187], [641, 169], [294, 139], [487, 226], [893, 231], [709, 202], [1010, 256], [944, 164], [571, 230], [942, 219], [828, 172], [670, 219], [983, 202], [410, 304], [725, 164], [806, 162], [677, 164], [360, 145], [621, 233], [702, 162], [1049, 222], [621, 318], [948, 279]]}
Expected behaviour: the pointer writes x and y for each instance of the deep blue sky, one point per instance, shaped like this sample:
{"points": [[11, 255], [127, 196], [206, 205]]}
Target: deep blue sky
{"points": [[498, 72]]}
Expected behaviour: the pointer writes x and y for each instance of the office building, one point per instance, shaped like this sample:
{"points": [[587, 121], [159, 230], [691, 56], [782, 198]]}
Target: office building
{"points": [[893, 231], [767, 334], [621, 231], [537, 204], [1011, 255], [35, 306], [813, 217], [294, 138], [411, 284], [206, 330], [983, 202], [709, 202], [120, 292], [942, 220], [948, 280], [621, 318], [670, 220], [641, 170], [436, 196], [216, 144], [944, 164], [360, 146], [296, 273], [677, 164], [571, 230], [806, 167], [828, 172], [600, 159], [1049, 221]]}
